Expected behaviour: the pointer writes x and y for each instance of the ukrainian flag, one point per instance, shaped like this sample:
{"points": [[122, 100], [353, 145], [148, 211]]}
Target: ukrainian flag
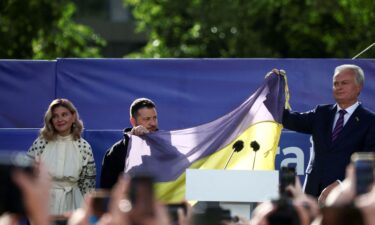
{"points": [[255, 126]]}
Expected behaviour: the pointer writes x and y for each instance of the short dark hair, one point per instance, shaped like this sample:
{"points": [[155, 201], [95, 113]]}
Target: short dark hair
{"points": [[140, 103]]}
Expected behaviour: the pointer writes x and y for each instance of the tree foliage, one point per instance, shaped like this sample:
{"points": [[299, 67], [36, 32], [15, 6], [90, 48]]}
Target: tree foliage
{"points": [[255, 28], [44, 29]]}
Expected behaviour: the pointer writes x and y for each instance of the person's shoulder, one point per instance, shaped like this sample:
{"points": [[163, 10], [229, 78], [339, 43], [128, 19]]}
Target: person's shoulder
{"points": [[82, 142], [322, 108], [366, 112], [325, 106], [119, 144], [365, 109], [38, 146], [118, 147], [127, 130], [84, 148], [40, 140]]}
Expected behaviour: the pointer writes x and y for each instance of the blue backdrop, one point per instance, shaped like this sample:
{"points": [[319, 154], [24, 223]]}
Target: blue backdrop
{"points": [[188, 92]]}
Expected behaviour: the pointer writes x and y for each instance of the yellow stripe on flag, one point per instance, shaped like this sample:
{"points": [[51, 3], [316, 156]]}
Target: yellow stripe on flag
{"points": [[266, 133]]}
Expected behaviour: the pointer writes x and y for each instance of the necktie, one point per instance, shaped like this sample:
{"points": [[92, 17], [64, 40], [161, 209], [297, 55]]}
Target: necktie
{"points": [[339, 125]]}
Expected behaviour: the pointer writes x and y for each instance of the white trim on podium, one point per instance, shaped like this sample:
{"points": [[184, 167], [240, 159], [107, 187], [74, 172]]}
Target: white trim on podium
{"points": [[234, 189]]}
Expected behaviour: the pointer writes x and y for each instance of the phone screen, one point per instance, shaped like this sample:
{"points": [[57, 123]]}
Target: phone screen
{"points": [[364, 170], [100, 202], [287, 176], [59, 220]]}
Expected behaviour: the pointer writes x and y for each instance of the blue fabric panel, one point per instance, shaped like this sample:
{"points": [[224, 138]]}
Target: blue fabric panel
{"points": [[189, 92], [17, 139], [26, 89]]}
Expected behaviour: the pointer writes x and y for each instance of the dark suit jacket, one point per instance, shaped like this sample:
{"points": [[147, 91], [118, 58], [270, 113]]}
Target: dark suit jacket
{"points": [[113, 163], [331, 159]]}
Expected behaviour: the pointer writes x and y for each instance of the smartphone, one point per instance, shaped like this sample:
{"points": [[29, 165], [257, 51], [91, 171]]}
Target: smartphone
{"points": [[100, 202], [173, 211], [59, 220], [142, 196], [287, 176], [212, 215], [364, 170], [11, 199]]}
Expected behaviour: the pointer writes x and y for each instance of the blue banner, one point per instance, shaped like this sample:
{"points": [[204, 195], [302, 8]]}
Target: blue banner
{"points": [[188, 92]]}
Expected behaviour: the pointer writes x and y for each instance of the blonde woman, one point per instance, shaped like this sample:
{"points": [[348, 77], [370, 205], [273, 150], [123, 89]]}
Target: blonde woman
{"points": [[67, 156]]}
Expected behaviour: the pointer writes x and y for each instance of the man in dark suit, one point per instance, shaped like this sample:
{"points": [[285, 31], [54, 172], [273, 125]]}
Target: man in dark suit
{"points": [[337, 130]]}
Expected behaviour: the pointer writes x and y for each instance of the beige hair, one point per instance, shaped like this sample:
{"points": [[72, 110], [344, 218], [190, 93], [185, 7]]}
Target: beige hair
{"points": [[48, 132]]}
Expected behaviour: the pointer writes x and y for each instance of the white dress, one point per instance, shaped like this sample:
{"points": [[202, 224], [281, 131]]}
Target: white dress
{"points": [[72, 168]]}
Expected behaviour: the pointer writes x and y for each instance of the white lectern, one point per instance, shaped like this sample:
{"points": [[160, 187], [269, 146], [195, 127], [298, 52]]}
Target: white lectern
{"points": [[234, 189]]}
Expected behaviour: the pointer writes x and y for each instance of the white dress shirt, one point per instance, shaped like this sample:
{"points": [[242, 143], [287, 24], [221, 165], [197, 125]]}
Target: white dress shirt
{"points": [[349, 111]]}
